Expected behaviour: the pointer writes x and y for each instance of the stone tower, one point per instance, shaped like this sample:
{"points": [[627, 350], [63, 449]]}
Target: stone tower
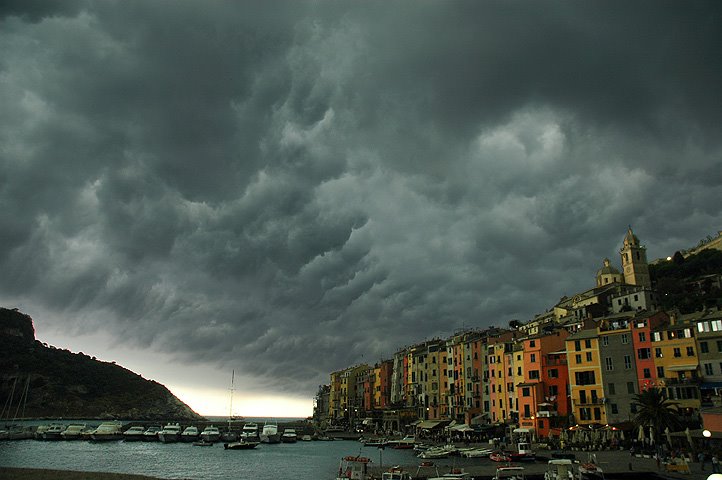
{"points": [[634, 261]]}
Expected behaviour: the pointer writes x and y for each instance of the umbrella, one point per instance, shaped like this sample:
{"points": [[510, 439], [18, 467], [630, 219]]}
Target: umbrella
{"points": [[621, 435], [668, 435], [689, 437], [640, 435], [651, 436]]}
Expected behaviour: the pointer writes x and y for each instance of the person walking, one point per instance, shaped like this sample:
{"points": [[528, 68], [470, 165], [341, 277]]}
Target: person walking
{"points": [[715, 464], [700, 457]]}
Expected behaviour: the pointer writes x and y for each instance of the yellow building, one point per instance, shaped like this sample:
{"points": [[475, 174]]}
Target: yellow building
{"points": [[585, 377], [343, 394], [677, 362]]}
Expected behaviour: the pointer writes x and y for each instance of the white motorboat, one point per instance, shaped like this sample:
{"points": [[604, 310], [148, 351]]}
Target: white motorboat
{"points": [[74, 431], [476, 452], [106, 432], [250, 431], [509, 473], [270, 433], [170, 433], [53, 432], [306, 438], [190, 434], [240, 445], [560, 469], [151, 434], [289, 436], [454, 473], [210, 434], [354, 468], [134, 434]]}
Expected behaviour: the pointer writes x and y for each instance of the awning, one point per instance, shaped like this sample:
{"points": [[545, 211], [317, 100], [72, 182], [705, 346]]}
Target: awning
{"points": [[710, 385], [461, 428], [479, 418], [680, 368], [428, 424]]}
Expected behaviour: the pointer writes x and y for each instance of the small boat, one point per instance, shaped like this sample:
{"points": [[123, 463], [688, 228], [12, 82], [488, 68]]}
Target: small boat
{"points": [[500, 456], [151, 434], [74, 431], [476, 452], [560, 469], [106, 432], [509, 473], [353, 468], [240, 445], [270, 434], [202, 443], [190, 434], [375, 442], [289, 436], [134, 434], [395, 473], [590, 471], [306, 438], [454, 473], [406, 443], [53, 432], [438, 452], [170, 433], [211, 434]]}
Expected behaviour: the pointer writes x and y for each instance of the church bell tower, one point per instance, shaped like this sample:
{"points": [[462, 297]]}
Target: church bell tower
{"points": [[634, 261]]}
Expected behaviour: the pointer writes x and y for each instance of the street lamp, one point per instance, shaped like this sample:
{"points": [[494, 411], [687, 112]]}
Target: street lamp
{"points": [[706, 433]]}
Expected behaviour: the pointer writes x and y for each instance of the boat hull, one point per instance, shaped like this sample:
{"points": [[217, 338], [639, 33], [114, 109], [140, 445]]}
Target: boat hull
{"points": [[240, 445]]}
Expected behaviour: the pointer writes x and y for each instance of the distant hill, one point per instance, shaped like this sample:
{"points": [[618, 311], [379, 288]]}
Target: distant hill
{"points": [[73, 385], [689, 283]]}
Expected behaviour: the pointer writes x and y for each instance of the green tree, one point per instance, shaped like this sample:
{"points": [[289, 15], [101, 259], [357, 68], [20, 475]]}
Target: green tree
{"points": [[656, 411]]}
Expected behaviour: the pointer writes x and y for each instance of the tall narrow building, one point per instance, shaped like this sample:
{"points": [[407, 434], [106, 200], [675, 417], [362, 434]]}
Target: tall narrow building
{"points": [[634, 261]]}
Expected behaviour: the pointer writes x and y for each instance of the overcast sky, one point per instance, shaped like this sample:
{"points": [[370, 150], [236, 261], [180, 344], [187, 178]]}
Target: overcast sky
{"points": [[290, 188]]}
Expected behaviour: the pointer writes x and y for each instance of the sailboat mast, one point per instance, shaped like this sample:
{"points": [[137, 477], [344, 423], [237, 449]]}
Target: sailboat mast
{"points": [[230, 412]]}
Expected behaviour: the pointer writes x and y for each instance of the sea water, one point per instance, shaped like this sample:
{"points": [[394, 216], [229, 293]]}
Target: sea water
{"points": [[313, 460]]}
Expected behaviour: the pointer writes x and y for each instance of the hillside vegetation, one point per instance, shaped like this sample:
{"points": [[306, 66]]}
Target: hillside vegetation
{"points": [[688, 283], [73, 385]]}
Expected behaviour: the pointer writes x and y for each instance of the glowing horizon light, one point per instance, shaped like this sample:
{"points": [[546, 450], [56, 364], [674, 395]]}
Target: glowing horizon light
{"points": [[216, 403]]}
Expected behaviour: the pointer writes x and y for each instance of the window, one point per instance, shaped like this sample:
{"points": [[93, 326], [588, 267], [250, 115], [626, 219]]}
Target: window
{"points": [[584, 378], [708, 369], [703, 347], [716, 325], [627, 362], [630, 387], [656, 337], [578, 358], [553, 390], [577, 345], [518, 370], [587, 344], [658, 352], [532, 343], [525, 392], [585, 413], [527, 412], [597, 413], [660, 372], [677, 352], [605, 340], [625, 338], [615, 410], [610, 388], [690, 351], [719, 345], [647, 373], [644, 353], [553, 373], [642, 336], [636, 298], [608, 363], [532, 358], [589, 356], [534, 374]]}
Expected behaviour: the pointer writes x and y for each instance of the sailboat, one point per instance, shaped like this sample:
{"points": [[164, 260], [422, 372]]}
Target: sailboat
{"points": [[230, 435], [15, 431]]}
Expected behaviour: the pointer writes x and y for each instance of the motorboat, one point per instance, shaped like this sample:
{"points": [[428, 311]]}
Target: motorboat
{"points": [[151, 434], [229, 436], [560, 469], [395, 473], [590, 471], [134, 434], [202, 443], [476, 452], [53, 432], [405, 443], [240, 445], [354, 468], [509, 473], [190, 434], [73, 431], [375, 442], [289, 436], [438, 452], [500, 456], [306, 438], [211, 434], [171, 433], [106, 432], [454, 473], [270, 434], [250, 431], [523, 453]]}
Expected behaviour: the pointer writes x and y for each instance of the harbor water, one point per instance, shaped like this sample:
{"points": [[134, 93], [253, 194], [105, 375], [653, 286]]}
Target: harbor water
{"points": [[302, 460]]}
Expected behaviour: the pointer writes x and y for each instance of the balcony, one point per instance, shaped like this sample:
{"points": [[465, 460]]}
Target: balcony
{"points": [[546, 413], [591, 401]]}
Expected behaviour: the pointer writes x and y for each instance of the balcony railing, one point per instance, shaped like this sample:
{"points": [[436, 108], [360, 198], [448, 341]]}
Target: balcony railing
{"points": [[591, 401]]}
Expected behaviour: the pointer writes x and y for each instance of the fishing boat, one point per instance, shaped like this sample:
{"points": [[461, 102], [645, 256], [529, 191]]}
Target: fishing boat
{"points": [[270, 434], [134, 434], [354, 468]]}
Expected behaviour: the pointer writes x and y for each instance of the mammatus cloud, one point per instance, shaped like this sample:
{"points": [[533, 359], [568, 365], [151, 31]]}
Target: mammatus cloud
{"points": [[295, 190]]}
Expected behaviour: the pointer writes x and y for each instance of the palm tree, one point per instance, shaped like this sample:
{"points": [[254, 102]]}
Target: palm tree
{"points": [[656, 411]]}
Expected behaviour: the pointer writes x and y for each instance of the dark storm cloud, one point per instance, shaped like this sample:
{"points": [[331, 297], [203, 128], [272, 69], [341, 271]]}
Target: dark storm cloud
{"points": [[297, 187]]}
